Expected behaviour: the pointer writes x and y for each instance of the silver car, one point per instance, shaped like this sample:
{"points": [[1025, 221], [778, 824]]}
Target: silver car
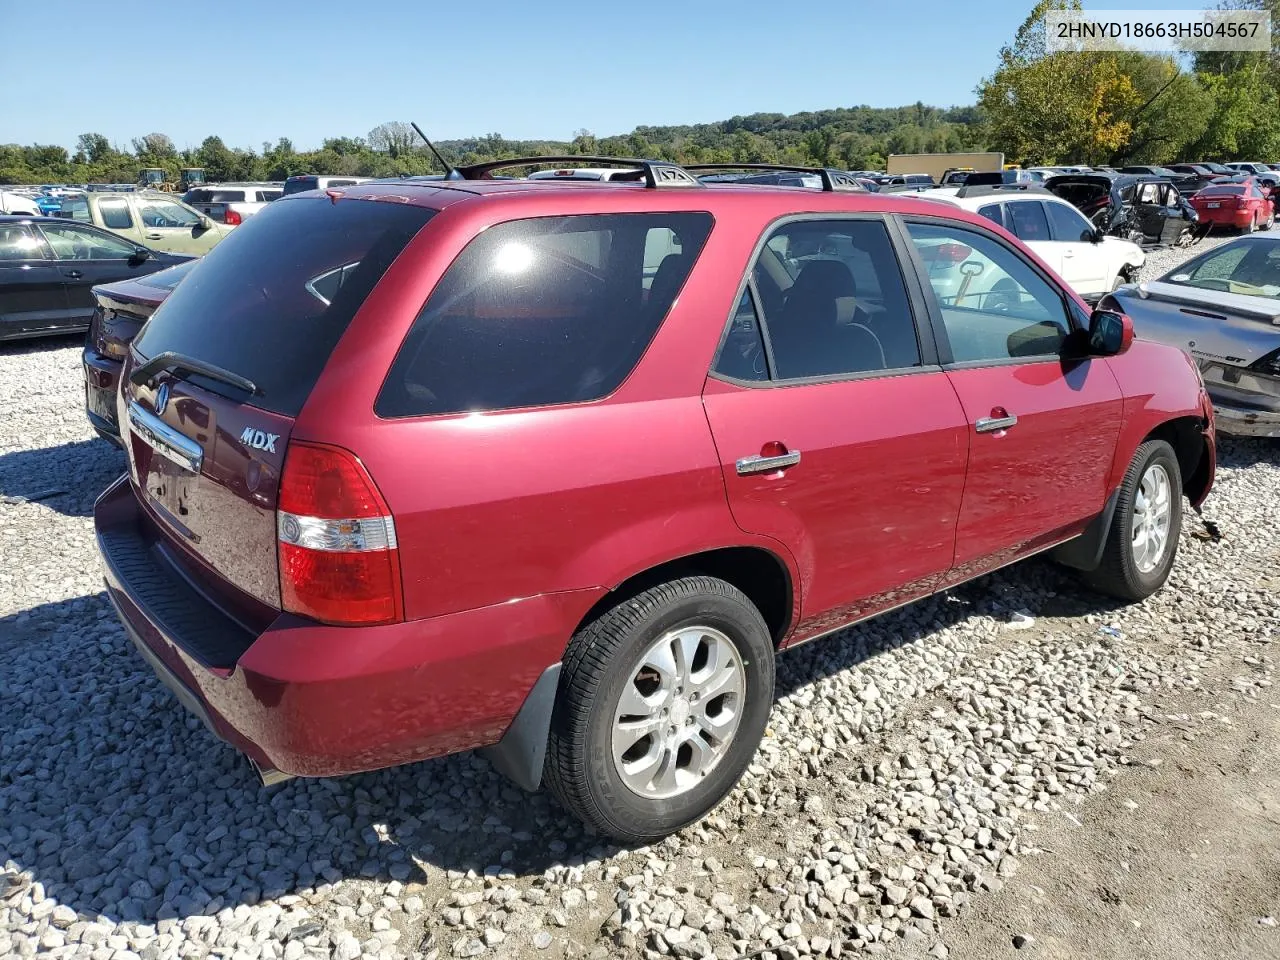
{"points": [[1223, 308]]}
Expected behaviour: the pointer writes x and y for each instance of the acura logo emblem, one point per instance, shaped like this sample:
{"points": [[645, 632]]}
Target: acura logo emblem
{"points": [[162, 398]]}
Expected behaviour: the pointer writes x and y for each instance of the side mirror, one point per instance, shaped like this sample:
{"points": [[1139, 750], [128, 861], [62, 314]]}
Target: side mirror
{"points": [[1110, 333], [1094, 235], [206, 223], [140, 255]]}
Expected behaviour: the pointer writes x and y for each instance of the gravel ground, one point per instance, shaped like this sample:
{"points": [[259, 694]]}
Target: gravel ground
{"points": [[911, 765]]}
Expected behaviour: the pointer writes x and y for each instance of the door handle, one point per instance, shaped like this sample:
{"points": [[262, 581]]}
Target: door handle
{"points": [[73, 274], [991, 424], [155, 236], [1068, 254], [760, 464]]}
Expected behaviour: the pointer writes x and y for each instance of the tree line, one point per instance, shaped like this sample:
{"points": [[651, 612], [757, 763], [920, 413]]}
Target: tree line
{"points": [[1036, 107]]}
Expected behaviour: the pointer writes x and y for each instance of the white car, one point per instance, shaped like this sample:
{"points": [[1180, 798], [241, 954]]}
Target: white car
{"points": [[585, 173], [1091, 263], [16, 203]]}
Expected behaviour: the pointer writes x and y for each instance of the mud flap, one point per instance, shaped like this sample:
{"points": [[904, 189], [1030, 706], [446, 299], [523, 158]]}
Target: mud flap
{"points": [[520, 753], [1085, 551]]}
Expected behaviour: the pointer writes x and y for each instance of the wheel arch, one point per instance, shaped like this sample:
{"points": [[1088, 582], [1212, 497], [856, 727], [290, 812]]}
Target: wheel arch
{"points": [[759, 573], [1186, 436]]}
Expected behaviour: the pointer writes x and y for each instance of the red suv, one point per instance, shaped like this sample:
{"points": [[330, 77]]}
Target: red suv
{"points": [[554, 468]]}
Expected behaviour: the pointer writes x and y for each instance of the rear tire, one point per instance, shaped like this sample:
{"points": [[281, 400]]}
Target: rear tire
{"points": [[1142, 543], [633, 750], [1253, 225], [1268, 223]]}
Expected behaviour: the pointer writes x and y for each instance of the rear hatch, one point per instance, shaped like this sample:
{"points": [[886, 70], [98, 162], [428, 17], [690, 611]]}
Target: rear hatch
{"points": [[221, 370]]}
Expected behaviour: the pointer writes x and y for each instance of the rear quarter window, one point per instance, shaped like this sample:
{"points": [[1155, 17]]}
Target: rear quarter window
{"points": [[250, 307], [543, 311]]}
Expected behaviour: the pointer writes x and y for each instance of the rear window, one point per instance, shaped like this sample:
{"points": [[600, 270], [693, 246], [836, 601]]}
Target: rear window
{"points": [[1236, 189], [300, 184], [543, 311], [251, 309], [168, 279], [214, 196], [75, 208]]}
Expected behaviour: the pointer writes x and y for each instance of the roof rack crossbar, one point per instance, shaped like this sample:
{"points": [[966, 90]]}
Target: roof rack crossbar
{"points": [[656, 173], [831, 179], [985, 189]]}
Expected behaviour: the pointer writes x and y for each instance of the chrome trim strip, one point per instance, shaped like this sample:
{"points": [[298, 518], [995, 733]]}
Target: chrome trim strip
{"points": [[758, 464], [990, 424], [361, 535], [165, 440]]}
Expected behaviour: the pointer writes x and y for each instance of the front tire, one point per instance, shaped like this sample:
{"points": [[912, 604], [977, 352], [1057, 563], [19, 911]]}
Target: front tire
{"points": [[1143, 540], [661, 706]]}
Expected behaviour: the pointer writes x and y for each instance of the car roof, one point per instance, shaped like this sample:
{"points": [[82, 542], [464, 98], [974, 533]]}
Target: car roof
{"points": [[548, 197]]}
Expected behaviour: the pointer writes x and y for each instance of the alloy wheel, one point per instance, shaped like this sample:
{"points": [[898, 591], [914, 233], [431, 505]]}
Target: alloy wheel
{"points": [[678, 712], [1152, 514]]}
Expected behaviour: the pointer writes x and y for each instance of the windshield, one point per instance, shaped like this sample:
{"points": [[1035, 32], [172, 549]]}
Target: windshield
{"points": [[265, 303], [300, 184], [1247, 266]]}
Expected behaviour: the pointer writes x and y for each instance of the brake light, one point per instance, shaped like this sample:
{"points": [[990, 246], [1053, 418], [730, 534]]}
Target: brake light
{"points": [[232, 218], [339, 561]]}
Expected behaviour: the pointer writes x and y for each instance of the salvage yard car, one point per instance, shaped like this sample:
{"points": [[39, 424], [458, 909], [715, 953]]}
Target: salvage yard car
{"points": [[1135, 207], [1222, 307], [48, 266], [159, 220], [419, 470], [1242, 204], [1091, 262]]}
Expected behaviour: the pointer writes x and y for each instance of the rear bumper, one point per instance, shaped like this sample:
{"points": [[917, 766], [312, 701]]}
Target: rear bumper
{"points": [[1245, 422], [306, 699], [101, 379]]}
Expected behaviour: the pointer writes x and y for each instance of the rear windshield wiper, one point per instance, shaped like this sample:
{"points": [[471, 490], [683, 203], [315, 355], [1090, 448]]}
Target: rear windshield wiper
{"points": [[176, 362]]}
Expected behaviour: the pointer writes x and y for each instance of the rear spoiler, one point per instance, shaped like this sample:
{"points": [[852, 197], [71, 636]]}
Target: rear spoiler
{"points": [[1163, 292]]}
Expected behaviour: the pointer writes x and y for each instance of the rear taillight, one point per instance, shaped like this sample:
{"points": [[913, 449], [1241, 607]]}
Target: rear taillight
{"points": [[339, 561], [232, 219], [1270, 364]]}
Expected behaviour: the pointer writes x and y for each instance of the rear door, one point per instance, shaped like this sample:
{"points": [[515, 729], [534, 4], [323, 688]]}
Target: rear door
{"points": [[838, 433], [115, 214], [32, 297], [1027, 221], [1042, 431], [260, 318]]}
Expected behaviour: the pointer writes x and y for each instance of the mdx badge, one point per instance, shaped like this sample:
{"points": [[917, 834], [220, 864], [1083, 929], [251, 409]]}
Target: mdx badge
{"points": [[259, 439]]}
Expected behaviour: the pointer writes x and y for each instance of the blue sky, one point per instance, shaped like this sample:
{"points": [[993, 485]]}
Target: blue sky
{"points": [[254, 71]]}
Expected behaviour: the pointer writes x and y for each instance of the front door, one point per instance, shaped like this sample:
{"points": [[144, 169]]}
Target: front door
{"points": [[174, 227], [31, 293], [1042, 430], [838, 434], [86, 257], [1084, 261]]}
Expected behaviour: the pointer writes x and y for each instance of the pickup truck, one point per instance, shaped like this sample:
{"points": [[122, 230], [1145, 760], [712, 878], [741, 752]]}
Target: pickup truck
{"points": [[150, 218]]}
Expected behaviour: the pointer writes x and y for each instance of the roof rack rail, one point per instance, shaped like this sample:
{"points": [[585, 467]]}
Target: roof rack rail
{"points": [[986, 189], [831, 179], [655, 173]]}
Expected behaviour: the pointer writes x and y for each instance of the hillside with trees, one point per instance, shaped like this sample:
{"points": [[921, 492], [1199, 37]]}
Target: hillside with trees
{"points": [[1036, 108]]}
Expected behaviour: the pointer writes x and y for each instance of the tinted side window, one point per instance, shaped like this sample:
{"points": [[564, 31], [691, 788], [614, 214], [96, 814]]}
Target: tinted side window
{"points": [[994, 306], [542, 311], [115, 214], [1027, 220], [165, 213], [17, 242], [993, 212], [1066, 224], [841, 306], [78, 243]]}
